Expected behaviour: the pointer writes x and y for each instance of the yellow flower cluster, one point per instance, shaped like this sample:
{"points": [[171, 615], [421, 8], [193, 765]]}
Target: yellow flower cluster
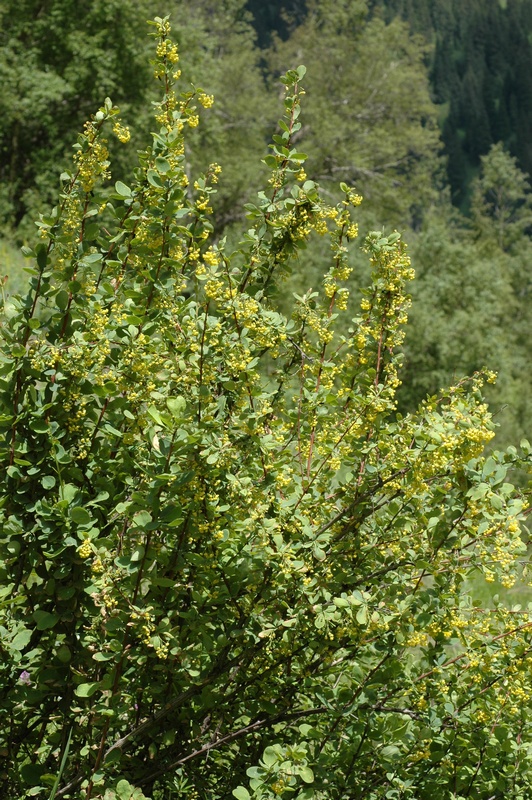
{"points": [[213, 288], [211, 257], [85, 549], [202, 204], [142, 618], [214, 172], [92, 157], [352, 231], [417, 639], [121, 132], [83, 445], [139, 365], [354, 198], [97, 565], [167, 50], [206, 100]]}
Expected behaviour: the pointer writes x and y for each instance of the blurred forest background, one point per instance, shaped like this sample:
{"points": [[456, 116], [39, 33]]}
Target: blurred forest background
{"points": [[424, 105]]}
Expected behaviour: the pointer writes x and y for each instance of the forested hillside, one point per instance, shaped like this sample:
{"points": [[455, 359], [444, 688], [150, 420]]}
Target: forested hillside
{"points": [[479, 67], [481, 71]]}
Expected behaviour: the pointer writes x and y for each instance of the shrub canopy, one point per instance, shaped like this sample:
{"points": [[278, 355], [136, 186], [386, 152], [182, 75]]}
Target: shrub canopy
{"points": [[228, 566]]}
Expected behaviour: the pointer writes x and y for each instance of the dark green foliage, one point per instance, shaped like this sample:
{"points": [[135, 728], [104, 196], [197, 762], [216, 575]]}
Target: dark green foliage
{"points": [[371, 121], [276, 17], [481, 68], [57, 60], [471, 297]]}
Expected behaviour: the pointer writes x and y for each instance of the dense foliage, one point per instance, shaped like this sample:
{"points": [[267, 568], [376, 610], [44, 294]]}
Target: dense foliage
{"points": [[229, 567], [370, 120], [472, 296], [477, 58], [52, 80], [481, 70]]}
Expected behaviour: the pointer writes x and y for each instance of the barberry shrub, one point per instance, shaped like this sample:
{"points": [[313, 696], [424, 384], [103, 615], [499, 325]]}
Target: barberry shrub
{"points": [[228, 566]]}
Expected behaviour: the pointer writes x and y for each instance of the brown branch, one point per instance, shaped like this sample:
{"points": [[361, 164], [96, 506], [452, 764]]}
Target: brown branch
{"points": [[230, 737]]}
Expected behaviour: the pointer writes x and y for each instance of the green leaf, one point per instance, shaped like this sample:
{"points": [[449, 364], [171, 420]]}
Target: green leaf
{"points": [[176, 406], [31, 773], [112, 430], [64, 654], [341, 602], [306, 774], [172, 515], [362, 615], [154, 179], [86, 689], [162, 164], [160, 419], [390, 752], [21, 639], [124, 789], [271, 162], [42, 255], [114, 756], [270, 756], [318, 553], [68, 492], [61, 299], [141, 519], [45, 619], [92, 258], [137, 553], [80, 515], [122, 189], [39, 425], [241, 793]]}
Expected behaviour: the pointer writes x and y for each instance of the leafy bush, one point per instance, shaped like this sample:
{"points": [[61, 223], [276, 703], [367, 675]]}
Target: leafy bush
{"points": [[229, 566]]}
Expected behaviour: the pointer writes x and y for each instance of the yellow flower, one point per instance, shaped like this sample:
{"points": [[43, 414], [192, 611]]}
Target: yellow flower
{"points": [[206, 100], [85, 549], [121, 132], [172, 54]]}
